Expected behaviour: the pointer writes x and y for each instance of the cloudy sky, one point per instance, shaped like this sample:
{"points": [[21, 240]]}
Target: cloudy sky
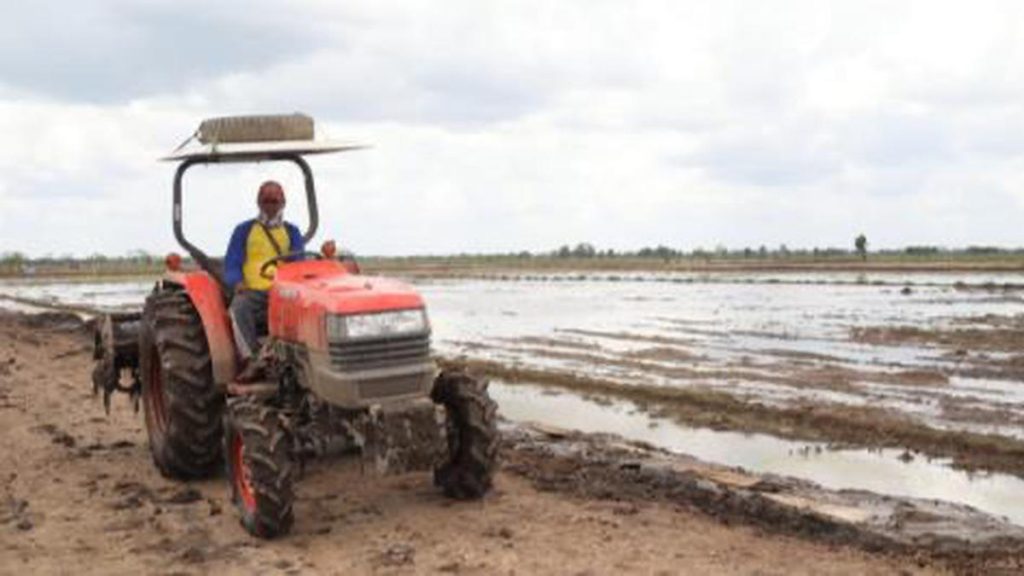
{"points": [[500, 126]]}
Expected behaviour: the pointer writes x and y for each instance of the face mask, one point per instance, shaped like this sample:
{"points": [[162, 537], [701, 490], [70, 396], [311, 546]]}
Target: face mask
{"points": [[271, 222]]}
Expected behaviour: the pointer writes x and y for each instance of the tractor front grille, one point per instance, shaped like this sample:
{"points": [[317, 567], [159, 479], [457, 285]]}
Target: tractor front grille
{"points": [[375, 354]]}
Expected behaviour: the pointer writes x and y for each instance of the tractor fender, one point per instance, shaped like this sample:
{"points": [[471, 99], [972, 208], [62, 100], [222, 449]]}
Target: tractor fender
{"points": [[206, 296]]}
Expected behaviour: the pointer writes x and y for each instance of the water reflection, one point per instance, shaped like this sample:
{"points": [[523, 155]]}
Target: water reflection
{"points": [[882, 471]]}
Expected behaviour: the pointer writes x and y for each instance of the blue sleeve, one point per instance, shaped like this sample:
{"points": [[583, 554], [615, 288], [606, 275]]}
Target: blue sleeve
{"points": [[235, 257], [295, 241]]}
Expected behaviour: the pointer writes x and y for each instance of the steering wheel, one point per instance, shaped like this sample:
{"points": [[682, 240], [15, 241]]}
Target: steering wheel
{"points": [[264, 270]]}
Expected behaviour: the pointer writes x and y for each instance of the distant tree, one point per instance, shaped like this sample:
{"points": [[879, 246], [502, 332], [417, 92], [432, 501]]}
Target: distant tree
{"points": [[861, 244], [13, 262], [564, 252], [700, 253], [983, 250], [139, 256], [12, 258], [584, 250], [665, 253]]}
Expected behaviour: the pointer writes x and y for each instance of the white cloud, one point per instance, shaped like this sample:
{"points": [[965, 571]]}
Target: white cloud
{"points": [[526, 125]]}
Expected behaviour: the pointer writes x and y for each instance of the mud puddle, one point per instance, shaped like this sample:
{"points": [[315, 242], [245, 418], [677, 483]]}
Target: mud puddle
{"points": [[885, 471]]}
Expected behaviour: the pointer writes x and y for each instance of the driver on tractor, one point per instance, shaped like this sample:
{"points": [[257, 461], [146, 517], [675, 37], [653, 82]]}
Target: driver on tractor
{"points": [[253, 243]]}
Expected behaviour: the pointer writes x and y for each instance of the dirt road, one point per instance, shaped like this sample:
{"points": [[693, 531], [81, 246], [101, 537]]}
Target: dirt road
{"points": [[78, 494]]}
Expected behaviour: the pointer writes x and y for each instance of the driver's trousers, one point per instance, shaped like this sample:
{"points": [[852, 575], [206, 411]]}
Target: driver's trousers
{"points": [[249, 320]]}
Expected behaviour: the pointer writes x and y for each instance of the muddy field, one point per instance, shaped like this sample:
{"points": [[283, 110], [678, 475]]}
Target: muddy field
{"points": [[79, 494], [906, 385]]}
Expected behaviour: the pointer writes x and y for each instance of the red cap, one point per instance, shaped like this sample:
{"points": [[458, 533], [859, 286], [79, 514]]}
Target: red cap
{"points": [[270, 190]]}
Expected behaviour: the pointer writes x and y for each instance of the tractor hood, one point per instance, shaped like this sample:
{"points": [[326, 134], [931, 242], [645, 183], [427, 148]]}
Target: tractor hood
{"points": [[355, 294], [326, 286], [305, 292]]}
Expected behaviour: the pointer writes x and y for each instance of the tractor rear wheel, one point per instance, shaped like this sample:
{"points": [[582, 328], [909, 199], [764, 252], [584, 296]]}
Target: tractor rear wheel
{"points": [[182, 405], [472, 436], [260, 467]]}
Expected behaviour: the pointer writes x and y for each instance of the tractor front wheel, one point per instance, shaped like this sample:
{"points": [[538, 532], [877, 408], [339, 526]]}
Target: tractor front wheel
{"points": [[472, 436], [182, 405], [259, 466]]}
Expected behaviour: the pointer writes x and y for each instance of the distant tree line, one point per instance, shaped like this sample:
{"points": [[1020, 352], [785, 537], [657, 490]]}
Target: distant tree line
{"points": [[17, 263], [13, 263], [860, 249], [18, 260]]}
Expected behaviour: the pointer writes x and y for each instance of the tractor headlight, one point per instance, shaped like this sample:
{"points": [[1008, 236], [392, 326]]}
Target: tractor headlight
{"points": [[376, 325]]}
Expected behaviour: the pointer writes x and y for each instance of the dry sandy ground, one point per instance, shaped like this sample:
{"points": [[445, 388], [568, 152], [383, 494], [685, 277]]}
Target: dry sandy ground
{"points": [[78, 494]]}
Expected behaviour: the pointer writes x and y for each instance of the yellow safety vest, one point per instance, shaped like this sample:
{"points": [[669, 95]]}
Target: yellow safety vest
{"points": [[258, 250]]}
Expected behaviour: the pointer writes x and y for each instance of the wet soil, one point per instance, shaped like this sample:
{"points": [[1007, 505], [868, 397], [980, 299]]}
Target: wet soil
{"points": [[1004, 333], [596, 466], [792, 368], [78, 493], [983, 347], [854, 426]]}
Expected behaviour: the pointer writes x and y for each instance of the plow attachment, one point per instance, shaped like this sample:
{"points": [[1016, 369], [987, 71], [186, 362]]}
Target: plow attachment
{"points": [[116, 350]]}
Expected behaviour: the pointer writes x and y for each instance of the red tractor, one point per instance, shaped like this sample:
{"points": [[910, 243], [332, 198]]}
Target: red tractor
{"points": [[348, 361]]}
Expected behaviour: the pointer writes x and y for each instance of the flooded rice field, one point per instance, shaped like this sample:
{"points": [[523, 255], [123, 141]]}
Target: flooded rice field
{"points": [[877, 382], [941, 352]]}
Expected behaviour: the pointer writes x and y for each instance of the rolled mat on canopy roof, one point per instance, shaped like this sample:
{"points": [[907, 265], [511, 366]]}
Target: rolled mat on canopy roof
{"points": [[262, 128]]}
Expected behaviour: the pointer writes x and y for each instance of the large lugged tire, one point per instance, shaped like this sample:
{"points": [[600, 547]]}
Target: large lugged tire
{"points": [[472, 436], [260, 467], [182, 405]]}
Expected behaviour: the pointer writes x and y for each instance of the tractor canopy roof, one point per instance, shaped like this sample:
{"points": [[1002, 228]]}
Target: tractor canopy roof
{"points": [[257, 151]]}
